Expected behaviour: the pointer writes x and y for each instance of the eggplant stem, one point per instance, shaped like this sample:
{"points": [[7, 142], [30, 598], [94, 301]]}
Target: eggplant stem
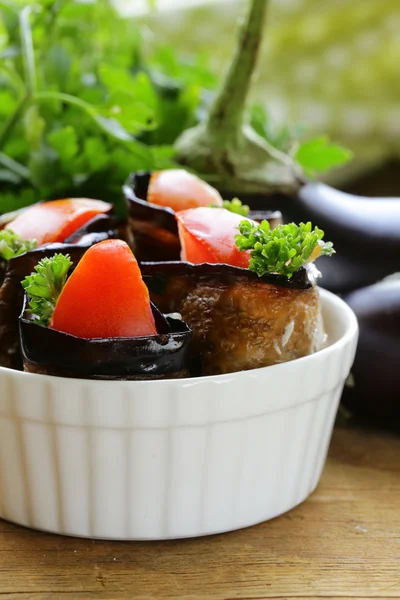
{"points": [[224, 149], [227, 110]]}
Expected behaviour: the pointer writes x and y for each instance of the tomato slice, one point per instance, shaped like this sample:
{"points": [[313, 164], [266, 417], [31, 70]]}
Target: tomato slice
{"points": [[105, 297], [180, 190], [55, 221], [208, 235]]}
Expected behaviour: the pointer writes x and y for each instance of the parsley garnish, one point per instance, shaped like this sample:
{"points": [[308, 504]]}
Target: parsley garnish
{"points": [[282, 250], [45, 285], [235, 205], [12, 245]]}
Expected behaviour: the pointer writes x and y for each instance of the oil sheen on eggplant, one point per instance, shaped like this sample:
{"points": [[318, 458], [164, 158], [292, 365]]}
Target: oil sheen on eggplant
{"points": [[154, 227], [161, 356], [375, 391], [12, 295], [114, 227], [239, 321]]}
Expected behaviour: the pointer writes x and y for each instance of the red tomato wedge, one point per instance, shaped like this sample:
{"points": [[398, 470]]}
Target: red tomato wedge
{"points": [[105, 297], [55, 221], [208, 235], [179, 190]]}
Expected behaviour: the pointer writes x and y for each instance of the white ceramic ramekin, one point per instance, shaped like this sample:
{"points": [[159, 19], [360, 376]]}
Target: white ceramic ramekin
{"points": [[170, 459]]}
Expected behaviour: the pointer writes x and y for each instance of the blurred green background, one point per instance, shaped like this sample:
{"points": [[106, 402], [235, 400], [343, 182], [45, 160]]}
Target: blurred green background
{"points": [[88, 93], [331, 66]]}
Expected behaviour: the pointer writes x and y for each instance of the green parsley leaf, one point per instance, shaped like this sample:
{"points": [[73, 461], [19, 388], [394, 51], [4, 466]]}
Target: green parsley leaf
{"points": [[319, 155], [12, 245], [45, 285], [236, 206], [282, 250]]}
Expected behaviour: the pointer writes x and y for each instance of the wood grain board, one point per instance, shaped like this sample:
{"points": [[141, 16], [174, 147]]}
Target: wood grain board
{"points": [[344, 542]]}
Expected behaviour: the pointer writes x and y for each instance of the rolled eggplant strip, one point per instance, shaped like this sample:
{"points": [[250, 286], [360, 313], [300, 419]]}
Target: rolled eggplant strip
{"points": [[154, 227], [107, 224], [162, 356], [240, 321], [12, 294]]}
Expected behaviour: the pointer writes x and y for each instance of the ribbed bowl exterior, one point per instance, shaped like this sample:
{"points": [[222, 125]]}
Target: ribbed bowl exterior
{"points": [[170, 459]]}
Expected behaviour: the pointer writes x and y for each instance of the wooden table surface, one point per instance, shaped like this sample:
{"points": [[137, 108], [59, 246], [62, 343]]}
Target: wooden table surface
{"points": [[343, 542]]}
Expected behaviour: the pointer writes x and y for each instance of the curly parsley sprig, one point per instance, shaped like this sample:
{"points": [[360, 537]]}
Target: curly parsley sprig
{"points": [[12, 245], [282, 250], [235, 205], [45, 285]]}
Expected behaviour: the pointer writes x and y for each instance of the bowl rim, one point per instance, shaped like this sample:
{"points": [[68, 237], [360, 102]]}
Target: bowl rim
{"points": [[328, 299]]}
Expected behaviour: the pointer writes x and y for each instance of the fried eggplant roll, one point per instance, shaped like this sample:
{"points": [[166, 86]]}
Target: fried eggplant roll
{"points": [[12, 295], [153, 199], [247, 308], [98, 322], [71, 221], [239, 321]]}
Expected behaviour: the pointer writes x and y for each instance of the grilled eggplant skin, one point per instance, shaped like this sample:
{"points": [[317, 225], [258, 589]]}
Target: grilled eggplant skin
{"points": [[154, 228], [162, 356], [3, 268], [12, 294], [239, 321], [108, 224]]}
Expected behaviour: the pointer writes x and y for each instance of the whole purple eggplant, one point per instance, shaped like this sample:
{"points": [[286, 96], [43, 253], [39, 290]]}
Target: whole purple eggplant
{"points": [[375, 391]]}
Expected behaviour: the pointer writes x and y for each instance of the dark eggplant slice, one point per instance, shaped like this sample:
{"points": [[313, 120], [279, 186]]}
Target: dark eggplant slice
{"points": [[154, 227], [374, 395], [274, 217], [239, 321], [116, 228], [99, 228], [162, 356], [11, 292], [3, 267]]}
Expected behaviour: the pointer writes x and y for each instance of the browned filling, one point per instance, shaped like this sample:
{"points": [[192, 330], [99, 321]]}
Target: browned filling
{"points": [[244, 324]]}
